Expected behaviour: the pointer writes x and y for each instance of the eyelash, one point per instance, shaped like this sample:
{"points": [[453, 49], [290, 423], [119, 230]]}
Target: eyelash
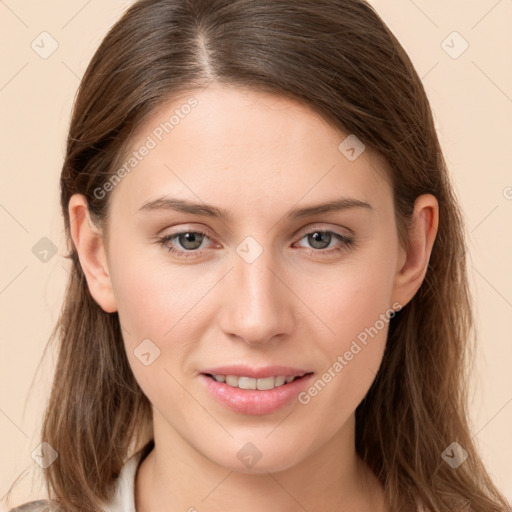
{"points": [[347, 243]]}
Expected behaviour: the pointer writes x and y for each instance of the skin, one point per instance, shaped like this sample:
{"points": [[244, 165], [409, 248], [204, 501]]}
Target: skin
{"points": [[257, 155]]}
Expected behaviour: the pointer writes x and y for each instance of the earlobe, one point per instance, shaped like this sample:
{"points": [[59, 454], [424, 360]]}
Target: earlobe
{"points": [[89, 244], [413, 266]]}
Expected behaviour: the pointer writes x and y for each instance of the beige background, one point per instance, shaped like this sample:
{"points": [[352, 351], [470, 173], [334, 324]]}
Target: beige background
{"points": [[471, 96]]}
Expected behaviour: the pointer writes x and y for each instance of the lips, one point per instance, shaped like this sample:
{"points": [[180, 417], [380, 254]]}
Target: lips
{"points": [[255, 391]]}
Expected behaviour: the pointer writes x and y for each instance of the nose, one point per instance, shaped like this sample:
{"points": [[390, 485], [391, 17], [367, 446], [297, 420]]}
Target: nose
{"points": [[257, 305]]}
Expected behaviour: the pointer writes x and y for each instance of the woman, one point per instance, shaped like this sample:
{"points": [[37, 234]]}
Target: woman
{"points": [[268, 306]]}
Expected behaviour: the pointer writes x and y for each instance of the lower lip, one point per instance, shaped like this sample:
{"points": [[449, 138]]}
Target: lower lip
{"points": [[252, 401]]}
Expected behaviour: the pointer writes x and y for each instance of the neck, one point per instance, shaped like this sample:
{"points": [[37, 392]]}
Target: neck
{"points": [[174, 476]]}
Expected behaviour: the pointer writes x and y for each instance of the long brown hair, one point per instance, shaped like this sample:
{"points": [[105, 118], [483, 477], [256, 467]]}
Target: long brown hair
{"points": [[338, 57]]}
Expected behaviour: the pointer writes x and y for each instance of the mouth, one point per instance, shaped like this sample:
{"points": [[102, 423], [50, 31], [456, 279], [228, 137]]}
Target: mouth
{"points": [[250, 391], [262, 383]]}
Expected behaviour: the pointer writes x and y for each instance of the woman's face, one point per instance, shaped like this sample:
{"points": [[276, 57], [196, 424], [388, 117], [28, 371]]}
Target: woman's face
{"points": [[269, 287]]}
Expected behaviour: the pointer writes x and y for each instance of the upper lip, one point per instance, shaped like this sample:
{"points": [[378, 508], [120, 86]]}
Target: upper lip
{"points": [[256, 373]]}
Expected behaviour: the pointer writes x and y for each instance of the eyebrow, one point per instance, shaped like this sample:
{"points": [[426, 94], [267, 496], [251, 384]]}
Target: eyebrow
{"points": [[203, 209]]}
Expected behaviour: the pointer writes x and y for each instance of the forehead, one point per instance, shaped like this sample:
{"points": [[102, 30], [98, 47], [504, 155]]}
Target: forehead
{"points": [[240, 149]]}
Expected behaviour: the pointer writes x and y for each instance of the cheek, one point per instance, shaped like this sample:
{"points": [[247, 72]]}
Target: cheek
{"points": [[160, 307], [355, 309], [349, 299], [152, 294]]}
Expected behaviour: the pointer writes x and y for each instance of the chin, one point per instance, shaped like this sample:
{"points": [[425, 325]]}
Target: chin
{"points": [[259, 457]]}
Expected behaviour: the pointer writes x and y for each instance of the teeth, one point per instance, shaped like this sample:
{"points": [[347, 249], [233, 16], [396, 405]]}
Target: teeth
{"points": [[247, 383], [231, 380], [252, 383], [266, 383], [279, 381]]}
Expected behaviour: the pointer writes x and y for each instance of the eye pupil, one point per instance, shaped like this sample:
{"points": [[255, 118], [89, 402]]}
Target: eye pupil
{"points": [[316, 238], [190, 240]]}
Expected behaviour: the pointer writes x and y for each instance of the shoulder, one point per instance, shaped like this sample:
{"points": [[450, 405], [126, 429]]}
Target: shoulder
{"points": [[124, 496], [37, 506]]}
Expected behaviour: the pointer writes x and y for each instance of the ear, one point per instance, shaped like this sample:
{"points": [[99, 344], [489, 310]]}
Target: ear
{"points": [[413, 263], [89, 243]]}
